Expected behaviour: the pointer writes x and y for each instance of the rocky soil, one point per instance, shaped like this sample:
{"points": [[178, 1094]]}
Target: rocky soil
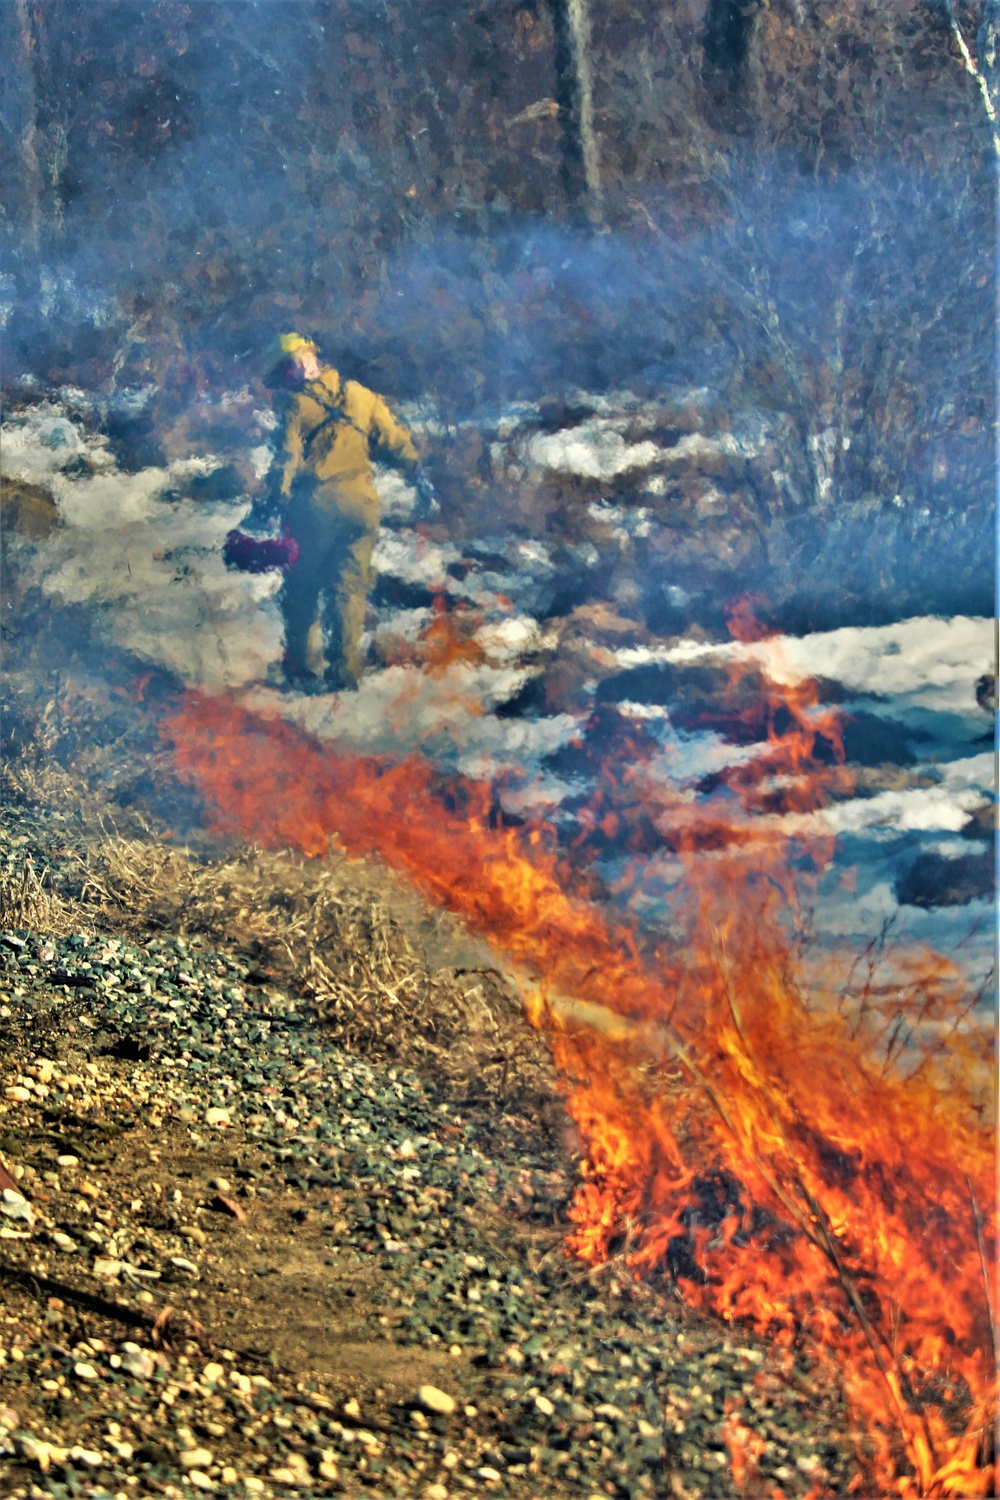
{"points": [[247, 1251]]}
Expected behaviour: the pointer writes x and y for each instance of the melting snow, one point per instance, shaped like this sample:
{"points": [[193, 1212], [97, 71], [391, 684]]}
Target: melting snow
{"points": [[594, 450], [147, 561], [926, 661]]}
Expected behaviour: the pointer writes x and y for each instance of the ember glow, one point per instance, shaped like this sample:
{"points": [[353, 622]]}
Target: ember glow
{"points": [[808, 1157]]}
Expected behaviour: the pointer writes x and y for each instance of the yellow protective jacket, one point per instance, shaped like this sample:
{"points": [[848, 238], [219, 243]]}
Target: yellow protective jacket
{"points": [[329, 432]]}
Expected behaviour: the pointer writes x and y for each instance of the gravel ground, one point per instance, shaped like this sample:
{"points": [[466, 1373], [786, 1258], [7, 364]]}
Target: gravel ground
{"points": [[366, 1281], [245, 1249]]}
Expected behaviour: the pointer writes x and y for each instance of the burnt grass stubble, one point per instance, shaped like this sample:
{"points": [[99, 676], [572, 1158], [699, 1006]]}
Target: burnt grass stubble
{"points": [[339, 1203]]}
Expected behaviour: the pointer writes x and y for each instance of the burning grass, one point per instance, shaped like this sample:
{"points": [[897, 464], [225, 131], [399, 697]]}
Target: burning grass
{"points": [[808, 1160]]}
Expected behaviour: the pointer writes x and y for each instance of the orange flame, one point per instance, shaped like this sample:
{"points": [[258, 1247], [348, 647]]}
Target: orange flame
{"points": [[815, 1164]]}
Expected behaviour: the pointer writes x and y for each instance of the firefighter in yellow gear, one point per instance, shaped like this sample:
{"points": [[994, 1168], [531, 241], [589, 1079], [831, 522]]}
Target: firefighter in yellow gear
{"points": [[322, 484]]}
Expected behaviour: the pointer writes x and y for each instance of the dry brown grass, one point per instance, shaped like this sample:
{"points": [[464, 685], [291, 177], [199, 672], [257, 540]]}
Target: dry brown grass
{"points": [[327, 929], [387, 973], [26, 900]]}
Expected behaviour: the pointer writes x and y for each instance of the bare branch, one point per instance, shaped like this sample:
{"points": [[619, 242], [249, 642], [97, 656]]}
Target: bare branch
{"points": [[973, 70]]}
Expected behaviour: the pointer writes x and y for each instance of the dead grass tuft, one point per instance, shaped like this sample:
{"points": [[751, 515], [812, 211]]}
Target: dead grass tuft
{"points": [[327, 930], [386, 973], [26, 903]]}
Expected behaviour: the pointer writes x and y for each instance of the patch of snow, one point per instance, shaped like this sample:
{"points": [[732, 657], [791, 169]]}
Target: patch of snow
{"points": [[261, 458], [444, 715], [530, 554], [928, 660], [403, 624], [698, 445], [912, 810], [972, 773], [594, 450], [151, 568], [505, 640], [414, 559], [398, 498], [38, 444]]}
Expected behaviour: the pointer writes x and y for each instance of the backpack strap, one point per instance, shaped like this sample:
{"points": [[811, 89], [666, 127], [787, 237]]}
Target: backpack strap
{"points": [[334, 413]]}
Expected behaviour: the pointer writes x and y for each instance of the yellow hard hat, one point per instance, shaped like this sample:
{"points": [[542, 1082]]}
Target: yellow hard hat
{"points": [[286, 346]]}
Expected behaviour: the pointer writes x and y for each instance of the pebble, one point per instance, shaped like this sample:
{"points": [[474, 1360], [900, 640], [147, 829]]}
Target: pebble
{"points": [[137, 1361], [14, 1205], [195, 1458], [432, 1399], [107, 1269]]}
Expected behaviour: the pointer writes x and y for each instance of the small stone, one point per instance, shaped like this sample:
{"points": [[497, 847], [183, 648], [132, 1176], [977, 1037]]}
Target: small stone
{"points": [[222, 1204], [491, 1476], [253, 1484], [609, 1410], [15, 1206], [213, 1373], [220, 1184], [67, 1161], [436, 1492], [351, 1408], [544, 1405], [63, 1241], [193, 1233], [84, 1371], [34, 1450], [195, 1458], [22, 1095], [137, 1362], [229, 1475], [199, 1480], [106, 1268], [327, 1470], [88, 1189], [9, 1418], [217, 1116], [431, 1399], [89, 1457]]}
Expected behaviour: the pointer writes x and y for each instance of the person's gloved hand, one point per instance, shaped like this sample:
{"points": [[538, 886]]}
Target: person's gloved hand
{"points": [[428, 506]]}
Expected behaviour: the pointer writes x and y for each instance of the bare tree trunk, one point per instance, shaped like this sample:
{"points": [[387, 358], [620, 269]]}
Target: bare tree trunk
{"points": [[574, 93], [30, 165]]}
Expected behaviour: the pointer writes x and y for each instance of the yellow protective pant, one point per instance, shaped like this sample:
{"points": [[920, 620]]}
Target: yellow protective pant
{"points": [[325, 592]]}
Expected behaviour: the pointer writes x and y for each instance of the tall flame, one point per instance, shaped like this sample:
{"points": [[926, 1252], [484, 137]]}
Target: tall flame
{"points": [[810, 1160]]}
